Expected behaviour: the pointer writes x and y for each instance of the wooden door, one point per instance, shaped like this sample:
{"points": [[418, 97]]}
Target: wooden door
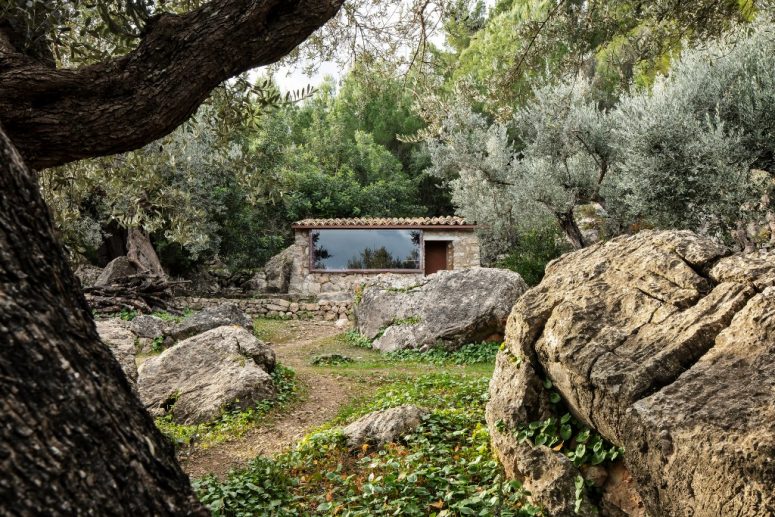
{"points": [[435, 256]]}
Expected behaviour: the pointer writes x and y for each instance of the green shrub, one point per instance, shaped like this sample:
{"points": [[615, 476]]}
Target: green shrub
{"points": [[473, 353], [330, 360], [535, 249], [355, 338], [444, 467]]}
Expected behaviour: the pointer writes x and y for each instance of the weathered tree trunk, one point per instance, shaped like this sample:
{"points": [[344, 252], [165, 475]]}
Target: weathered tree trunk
{"points": [[73, 437], [140, 249], [55, 116], [571, 230]]}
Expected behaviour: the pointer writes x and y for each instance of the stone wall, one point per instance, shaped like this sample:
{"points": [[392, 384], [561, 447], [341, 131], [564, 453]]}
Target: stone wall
{"points": [[327, 310], [340, 286]]}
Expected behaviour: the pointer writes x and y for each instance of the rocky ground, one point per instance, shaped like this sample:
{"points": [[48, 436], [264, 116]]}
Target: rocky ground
{"points": [[326, 391], [323, 394]]}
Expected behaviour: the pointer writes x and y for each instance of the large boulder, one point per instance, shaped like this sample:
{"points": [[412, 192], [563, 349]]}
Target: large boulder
{"points": [[195, 380], [381, 427], [256, 283], [278, 271], [117, 269], [121, 341], [664, 344], [447, 309], [210, 318]]}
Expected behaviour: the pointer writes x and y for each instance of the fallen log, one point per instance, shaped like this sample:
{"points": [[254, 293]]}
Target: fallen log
{"points": [[143, 293]]}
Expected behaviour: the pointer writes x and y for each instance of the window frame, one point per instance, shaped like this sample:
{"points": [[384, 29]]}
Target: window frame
{"points": [[311, 252]]}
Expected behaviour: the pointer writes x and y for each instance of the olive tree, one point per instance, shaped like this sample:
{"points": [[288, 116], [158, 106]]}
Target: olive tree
{"points": [[551, 158]]}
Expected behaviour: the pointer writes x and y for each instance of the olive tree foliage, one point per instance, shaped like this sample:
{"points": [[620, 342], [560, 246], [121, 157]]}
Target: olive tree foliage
{"points": [[510, 178], [687, 148], [168, 188], [616, 44], [694, 151]]}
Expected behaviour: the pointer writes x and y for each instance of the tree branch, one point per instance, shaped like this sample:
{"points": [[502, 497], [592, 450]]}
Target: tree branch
{"points": [[58, 116]]}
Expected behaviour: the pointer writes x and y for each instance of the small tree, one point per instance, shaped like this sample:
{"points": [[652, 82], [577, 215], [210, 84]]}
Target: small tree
{"points": [[687, 147], [557, 159]]}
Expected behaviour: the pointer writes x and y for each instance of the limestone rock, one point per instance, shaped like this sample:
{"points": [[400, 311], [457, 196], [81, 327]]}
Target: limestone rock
{"points": [[664, 344], [591, 220], [150, 327], [257, 282], [381, 427], [278, 271], [88, 274], [447, 309], [195, 380], [121, 341], [210, 318], [711, 433], [116, 269]]}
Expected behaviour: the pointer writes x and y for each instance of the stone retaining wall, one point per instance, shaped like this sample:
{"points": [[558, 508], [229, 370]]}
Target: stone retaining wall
{"points": [[326, 310]]}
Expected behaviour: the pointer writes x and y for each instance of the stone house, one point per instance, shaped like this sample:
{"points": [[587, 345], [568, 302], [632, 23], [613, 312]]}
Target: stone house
{"points": [[331, 256]]}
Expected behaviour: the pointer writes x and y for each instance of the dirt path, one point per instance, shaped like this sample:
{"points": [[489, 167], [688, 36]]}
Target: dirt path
{"points": [[324, 395]]}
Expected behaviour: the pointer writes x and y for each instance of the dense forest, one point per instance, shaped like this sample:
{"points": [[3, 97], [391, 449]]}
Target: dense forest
{"points": [[532, 119]]}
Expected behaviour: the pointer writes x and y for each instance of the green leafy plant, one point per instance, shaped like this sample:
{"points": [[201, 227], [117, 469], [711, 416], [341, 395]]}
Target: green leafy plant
{"points": [[330, 360], [568, 435], [355, 338], [444, 467], [127, 314], [409, 320], [157, 345], [472, 353]]}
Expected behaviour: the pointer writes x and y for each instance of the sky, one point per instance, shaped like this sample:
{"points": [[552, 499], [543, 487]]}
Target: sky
{"points": [[294, 78]]}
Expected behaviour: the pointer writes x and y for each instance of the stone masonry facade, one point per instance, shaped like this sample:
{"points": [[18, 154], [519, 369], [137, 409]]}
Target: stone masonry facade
{"points": [[463, 253]]}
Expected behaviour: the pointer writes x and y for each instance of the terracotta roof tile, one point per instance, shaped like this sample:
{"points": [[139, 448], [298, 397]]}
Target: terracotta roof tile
{"points": [[384, 221]]}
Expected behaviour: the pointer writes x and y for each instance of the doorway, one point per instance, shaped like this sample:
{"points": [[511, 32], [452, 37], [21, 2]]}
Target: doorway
{"points": [[436, 256]]}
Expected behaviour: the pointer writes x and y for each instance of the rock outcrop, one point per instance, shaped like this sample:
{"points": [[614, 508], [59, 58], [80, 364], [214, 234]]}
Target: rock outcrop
{"points": [[121, 341], [210, 318], [381, 427], [197, 379], [88, 274], [664, 343], [116, 269], [277, 271], [150, 327], [447, 309]]}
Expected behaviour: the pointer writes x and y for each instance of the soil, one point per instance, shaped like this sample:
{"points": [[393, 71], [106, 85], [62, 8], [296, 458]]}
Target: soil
{"points": [[324, 393]]}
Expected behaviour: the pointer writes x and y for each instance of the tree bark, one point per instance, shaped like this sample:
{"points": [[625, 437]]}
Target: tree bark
{"points": [[571, 230], [57, 116], [73, 436], [140, 249]]}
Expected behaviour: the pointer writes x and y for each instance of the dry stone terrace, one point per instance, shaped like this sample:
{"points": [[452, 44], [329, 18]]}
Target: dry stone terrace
{"points": [[326, 310]]}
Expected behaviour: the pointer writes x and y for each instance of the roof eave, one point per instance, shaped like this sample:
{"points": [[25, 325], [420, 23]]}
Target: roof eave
{"points": [[467, 227]]}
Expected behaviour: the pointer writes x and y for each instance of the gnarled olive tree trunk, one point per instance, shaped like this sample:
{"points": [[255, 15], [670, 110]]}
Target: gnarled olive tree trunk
{"points": [[73, 436]]}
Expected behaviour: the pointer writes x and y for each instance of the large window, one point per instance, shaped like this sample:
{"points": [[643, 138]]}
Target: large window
{"points": [[366, 250]]}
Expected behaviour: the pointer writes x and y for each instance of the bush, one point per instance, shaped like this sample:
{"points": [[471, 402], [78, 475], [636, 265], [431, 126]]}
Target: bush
{"points": [[535, 249], [444, 467], [473, 353]]}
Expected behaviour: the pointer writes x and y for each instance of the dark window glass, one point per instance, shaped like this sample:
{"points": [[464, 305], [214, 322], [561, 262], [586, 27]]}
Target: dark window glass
{"points": [[338, 250]]}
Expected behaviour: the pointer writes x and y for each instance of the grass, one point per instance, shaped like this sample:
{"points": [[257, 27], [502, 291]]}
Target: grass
{"points": [[444, 467], [274, 330]]}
